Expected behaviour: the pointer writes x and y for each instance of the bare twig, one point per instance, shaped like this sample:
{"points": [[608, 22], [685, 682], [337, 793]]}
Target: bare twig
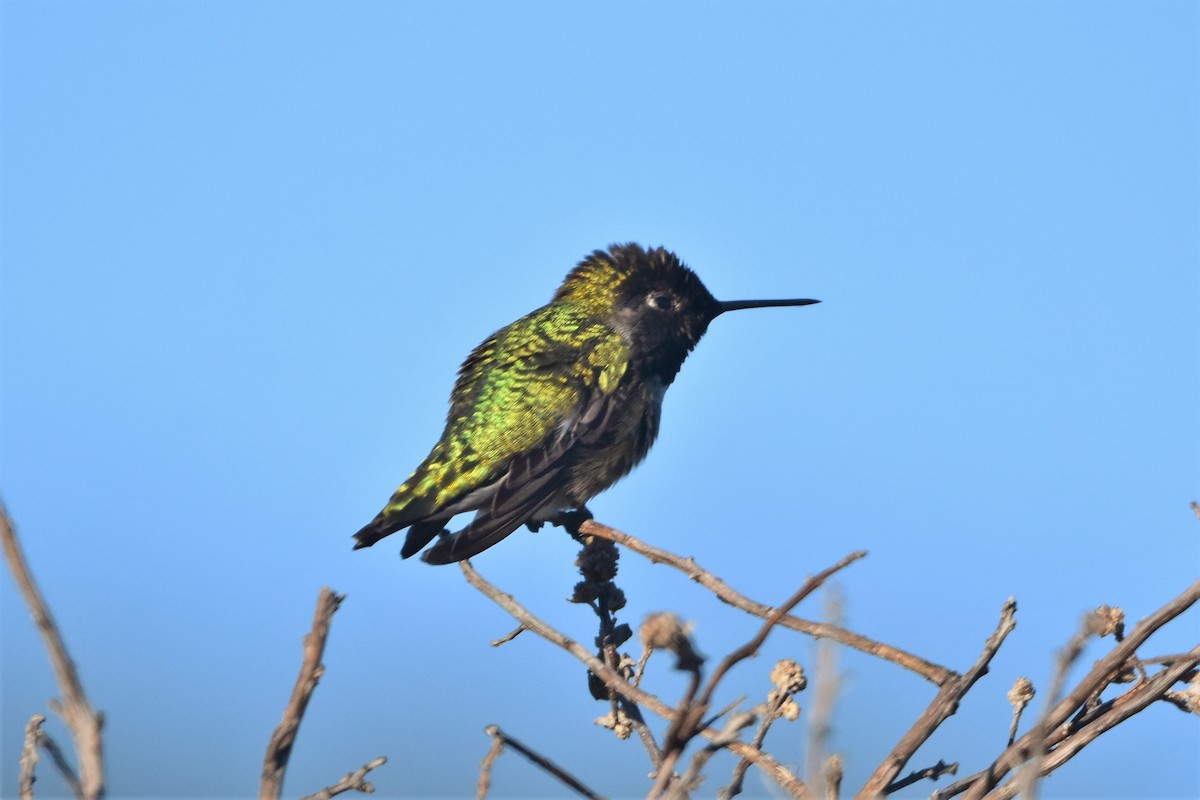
{"points": [[934, 673], [508, 637], [500, 740], [1019, 696], [29, 757], [60, 761], [835, 770], [690, 780], [780, 774], [1059, 725], [1114, 713], [944, 704], [789, 679], [352, 782], [687, 722], [1027, 783], [825, 689], [82, 721], [279, 749], [484, 784], [929, 773]]}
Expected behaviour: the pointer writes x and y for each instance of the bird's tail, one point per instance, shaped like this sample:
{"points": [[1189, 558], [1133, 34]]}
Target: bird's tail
{"points": [[420, 532], [373, 531]]}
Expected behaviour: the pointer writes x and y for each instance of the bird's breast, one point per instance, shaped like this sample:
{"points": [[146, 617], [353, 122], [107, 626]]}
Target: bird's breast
{"points": [[631, 431]]}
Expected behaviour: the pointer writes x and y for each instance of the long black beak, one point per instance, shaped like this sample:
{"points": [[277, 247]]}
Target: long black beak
{"points": [[734, 305]]}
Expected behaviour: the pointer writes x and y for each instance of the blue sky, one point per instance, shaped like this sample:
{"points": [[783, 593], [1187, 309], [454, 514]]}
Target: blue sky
{"points": [[246, 245]]}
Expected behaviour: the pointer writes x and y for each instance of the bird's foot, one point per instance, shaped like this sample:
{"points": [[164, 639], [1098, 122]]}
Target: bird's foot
{"points": [[571, 520]]}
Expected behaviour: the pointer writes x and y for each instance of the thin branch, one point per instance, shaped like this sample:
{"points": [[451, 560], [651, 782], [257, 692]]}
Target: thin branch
{"points": [[82, 721], [1112, 714], [771, 713], [944, 704], [279, 749], [508, 637], [352, 782], [825, 690], [29, 757], [834, 771], [751, 648], [1102, 673], [931, 672], [500, 740], [687, 721], [1066, 659], [1136, 700], [60, 761], [780, 774], [690, 780], [484, 784], [929, 773]]}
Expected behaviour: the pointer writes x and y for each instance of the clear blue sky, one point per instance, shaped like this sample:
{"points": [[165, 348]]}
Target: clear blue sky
{"points": [[246, 245]]}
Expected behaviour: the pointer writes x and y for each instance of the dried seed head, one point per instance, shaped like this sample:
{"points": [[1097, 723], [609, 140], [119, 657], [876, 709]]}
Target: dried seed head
{"points": [[1191, 695], [618, 722], [665, 631], [790, 710], [1110, 620], [835, 768], [788, 676], [1021, 693]]}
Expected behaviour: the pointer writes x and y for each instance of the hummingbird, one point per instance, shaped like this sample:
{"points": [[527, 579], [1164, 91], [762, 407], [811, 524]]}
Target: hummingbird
{"points": [[555, 408]]}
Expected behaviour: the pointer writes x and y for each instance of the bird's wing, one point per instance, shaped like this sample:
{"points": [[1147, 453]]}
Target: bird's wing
{"points": [[522, 400], [532, 482]]}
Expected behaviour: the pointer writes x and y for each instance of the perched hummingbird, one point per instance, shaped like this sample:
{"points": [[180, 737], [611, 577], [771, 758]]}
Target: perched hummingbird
{"points": [[553, 409]]}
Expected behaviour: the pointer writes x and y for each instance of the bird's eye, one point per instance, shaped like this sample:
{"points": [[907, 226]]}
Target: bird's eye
{"points": [[660, 300]]}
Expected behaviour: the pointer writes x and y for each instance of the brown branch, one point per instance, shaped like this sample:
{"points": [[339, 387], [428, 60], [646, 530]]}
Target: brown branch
{"points": [[772, 711], [29, 757], [1103, 672], [780, 774], [352, 782], [82, 721], [609, 676], [929, 773], [1066, 659], [500, 740], [835, 770], [484, 784], [1135, 700], [690, 780], [279, 749], [60, 761], [934, 673], [825, 689], [944, 704], [687, 720], [508, 637]]}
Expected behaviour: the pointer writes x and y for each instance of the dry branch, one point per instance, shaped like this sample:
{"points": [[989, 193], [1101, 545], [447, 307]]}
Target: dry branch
{"points": [[500, 740], [1066, 736], [780, 774], [934, 673], [279, 749], [825, 690], [352, 782], [944, 704], [29, 757], [82, 721], [687, 721]]}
